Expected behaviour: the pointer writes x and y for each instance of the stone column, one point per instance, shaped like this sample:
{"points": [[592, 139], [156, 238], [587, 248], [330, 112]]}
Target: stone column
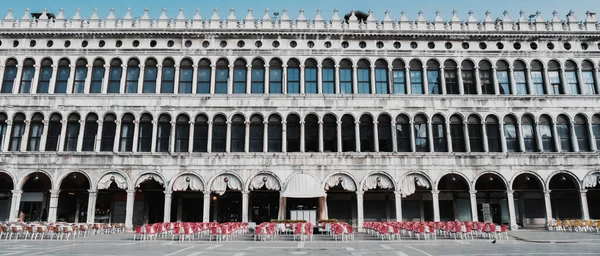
{"points": [[91, 211], [53, 79], [88, 78], [357, 135], [283, 136], [136, 134], [394, 137], [584, 205], [172, 137], [195, 81], [80, 135], [267, 77], [407, 80], [129, 209], [549, 89], [230, 81], [17, 81], [339, 136], [563, 82], [319, 79], [360, 210], [53, 205], [245, 206], [513, 83], [105, 79], [443, 81], [337, 79], [448, 137], [467, 138], [478, 84], [98, 138], [354, 79], [265, 136], [412, 136], [372, 80], [140, 88], [557, 145], [548, 207], [496, 85], [123, 78], [117, 136], [430, 136], [529, 82], [284, 79], [511, 209], [248, 79], [209, 137], [176, 78], [573, 136], [502, 137], [302, 80], [228, 138], [167, 210], [520, 136], [473, 196], [15, 204], [213, 78], [321, 136], [191, 140], [436, 205], [375, 136], [597, 80], [24, 139], [302, 136], [206, 207], [398, 201], [158, 78], [486, 147], [63, 134], [538, 137], [154, 133], [247, 137], [6, 142], [425, 81], [43, 138], [461, 85], [592, 138], [71, 79]]}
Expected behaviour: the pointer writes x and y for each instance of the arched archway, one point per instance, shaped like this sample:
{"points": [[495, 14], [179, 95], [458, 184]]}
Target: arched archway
{"points": [[454, 198], [529, 200], [416, 197], [226, 202], [492, 203], [111, 200], [6, 186], [591, 183], [379, 197], [188, 202], [565, 196], [35, 199], [73, 198], [341, 197], [149, 199], [264, 189]]}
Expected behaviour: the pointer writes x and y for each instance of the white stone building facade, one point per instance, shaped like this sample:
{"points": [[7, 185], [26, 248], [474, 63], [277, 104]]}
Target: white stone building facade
{"points": [[150, 120]]}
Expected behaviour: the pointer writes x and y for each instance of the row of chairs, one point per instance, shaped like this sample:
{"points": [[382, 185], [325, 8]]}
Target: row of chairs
{"points": [[431, 230], [57, 231], [575, 225], [190, 230], [341, 230]]}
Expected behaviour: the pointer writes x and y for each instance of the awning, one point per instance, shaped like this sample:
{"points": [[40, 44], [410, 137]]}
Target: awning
{"points": [[303, 186]]}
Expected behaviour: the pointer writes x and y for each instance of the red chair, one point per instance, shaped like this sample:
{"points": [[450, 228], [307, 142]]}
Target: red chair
{"points": [[150, 232], [138, 233]]}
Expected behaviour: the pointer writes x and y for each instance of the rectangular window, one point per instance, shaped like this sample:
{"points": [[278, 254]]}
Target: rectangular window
{"points": [[399, 81], [381, 81], [572, 82], [162, 137], [346, 81], [185, 80], [275, 80], [588, 81], [10, 74], [221, 81], [439, 137], [35, 136], [62, 79], [582, 137], [310, 80], [114, 79], [182, 137], [53, 136], [487, 82], [27, 79], [547, 140], [203, 86], [126, 140], [421, 137], [503, 82], [145, 137], [200, 137], [293, 137], [416, 82], [475, 137], [72, 136], [565, 137], [328, 81], [16, 136], [529, 137], [521, 82], [403, 137], [469, 82], [458, 139], [258, 80], [133, 75], [79, 81], [108, 136], [555, 82], [537, 78], [451, 81], [493, 135], [167, 83], [89, 135], [256, 138], [2, 134], [97, 77], [595, 131], [510, 132], [293, 83], [239, 80], [433, 80], [44, 80], [275, 136], [364, 81], [150, 74]]}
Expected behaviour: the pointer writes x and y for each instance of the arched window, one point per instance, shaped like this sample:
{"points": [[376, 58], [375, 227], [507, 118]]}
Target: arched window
{"points": [[10, 74], [581, 131], [475, 129], [330, 133], [416, 77], [80, 76], [62, 76], [293, 133], [256, 133], [97, 76], [222, 76], [457, 132], [571, 77], [311, 133], [420, 127], [43, 80], [126, 136], [348, 134], [364, 77], [366, 133], [293, 76], [167, 83], [555, 78], [520, 77], [451, 76], [239, 76], [595, 128], [587, 74], [486, 78], [145, 133], [114, 78], [182, 133], [433, 77], [384, 132], [564, 133], [54, 129], [346, 81], [328, 74], [275, 133], [403, 133], [3, 119], [219, 134], [537, 77], [275, 77], [381, 77], [511, 134], [133, 75], [150, 74], [28, 73], [204, 76], [529, 136], [438, 127], [186, 75], [503, 73], [546, 134], [18, 129], [492, 130], [258, 76], [35, 132], [310, 76], [89, 133], [163, 133], [72, 132], [201, 134], [238, 133], [468, 77]]}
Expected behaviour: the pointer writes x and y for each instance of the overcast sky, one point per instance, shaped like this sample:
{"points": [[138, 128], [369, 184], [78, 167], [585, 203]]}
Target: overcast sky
{"points": [[429, 7]]}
